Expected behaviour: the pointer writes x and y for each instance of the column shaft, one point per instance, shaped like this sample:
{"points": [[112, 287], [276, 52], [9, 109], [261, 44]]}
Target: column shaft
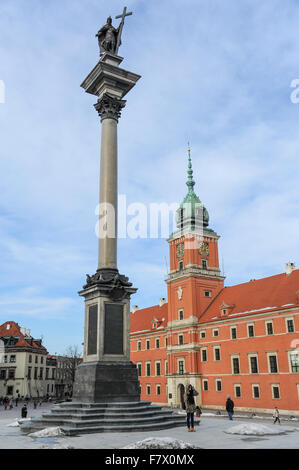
{"points": [[109, 193]]}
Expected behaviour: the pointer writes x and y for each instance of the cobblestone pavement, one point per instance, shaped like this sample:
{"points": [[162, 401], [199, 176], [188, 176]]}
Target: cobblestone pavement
{"points": [[209, 435]]}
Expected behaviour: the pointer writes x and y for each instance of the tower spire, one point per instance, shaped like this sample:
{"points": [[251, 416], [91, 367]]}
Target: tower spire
{"points": [[190, 181]]}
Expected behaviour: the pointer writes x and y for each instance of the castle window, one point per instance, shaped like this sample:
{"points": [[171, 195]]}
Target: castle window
{"points": [[237, 391], [233, 333], [202, 334], [139, 369], [273, 368], [12, 358], [218, 385], [158, 390], [157, 343], [204, 264], [217, 354], [181, 314], [290, 325], [269, 326], [139, 346], [158, 369], [215, 332], [181, 367], [253, 364], [147, 344], [181, 339], [275, 391], [250, 331], [256, 391], [148, 389], [204, 356], [294, 361], [236, 365], [148, 369], [208, 293], [181, 265], [205, 385]]}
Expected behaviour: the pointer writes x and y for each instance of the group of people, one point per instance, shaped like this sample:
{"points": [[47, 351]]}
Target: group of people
{"points": [[191, 408], [8, 403]]}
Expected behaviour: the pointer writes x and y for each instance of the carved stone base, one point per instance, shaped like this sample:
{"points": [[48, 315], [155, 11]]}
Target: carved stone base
{"points": [[105, 382]]}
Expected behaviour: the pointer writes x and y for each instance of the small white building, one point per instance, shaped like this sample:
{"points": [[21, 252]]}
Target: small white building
{"points": [[26, 370]]}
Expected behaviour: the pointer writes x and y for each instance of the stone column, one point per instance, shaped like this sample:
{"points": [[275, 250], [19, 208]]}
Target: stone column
{"points": [[109, 109], [106, 373]]}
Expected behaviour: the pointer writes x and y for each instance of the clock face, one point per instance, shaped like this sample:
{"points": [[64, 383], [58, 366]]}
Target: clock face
{"points": [[180, 250], [204, 249]]}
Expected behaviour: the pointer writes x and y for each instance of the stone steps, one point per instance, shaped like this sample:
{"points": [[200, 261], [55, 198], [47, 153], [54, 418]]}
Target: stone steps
{"points": [[103, 415], [77, 418]]}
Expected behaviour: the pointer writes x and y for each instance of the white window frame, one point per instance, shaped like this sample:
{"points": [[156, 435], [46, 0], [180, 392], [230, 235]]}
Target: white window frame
{"points": [[258, 386], [201, 354], [217, 381], [266, 324], [274, 353], [231, 334], [203, 332], [178, 366], [156, 363], [214, 351], [248, 325], [235, 356], [181, 313], [158, 386], [286, 323], [214, 330], [257, 362], [179, 341], [205, 381], [139, 364], [146, 364], [240, 387], [272, 390]]}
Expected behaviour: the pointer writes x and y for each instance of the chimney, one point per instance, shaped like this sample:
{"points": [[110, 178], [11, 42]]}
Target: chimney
{"points": [[162, 301], [290, 267], [134, 308]]}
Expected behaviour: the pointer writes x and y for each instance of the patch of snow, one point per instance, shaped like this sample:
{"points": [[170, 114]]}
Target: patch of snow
{"points": [[254, 429], [48, 432], [57, 446], [17, 422], [160, 443]]}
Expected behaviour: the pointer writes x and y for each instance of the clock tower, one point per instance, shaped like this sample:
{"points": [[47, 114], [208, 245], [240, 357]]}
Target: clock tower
{"points": [[195, 278]]}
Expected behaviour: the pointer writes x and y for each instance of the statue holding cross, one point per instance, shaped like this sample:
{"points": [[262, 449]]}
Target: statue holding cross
{"points": [[109, 37]]}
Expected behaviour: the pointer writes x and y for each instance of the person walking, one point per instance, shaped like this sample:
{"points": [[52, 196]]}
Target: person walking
{"points": [[24, 411], [230, 407], [276, 416], [190, 406], [5, 403]]}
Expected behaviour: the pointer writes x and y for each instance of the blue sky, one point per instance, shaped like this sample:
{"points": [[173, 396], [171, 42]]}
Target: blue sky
{"points": [[214, 73]]}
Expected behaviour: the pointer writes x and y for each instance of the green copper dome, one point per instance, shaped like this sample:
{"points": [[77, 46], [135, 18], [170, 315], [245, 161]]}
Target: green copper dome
{"points": [[191, 212]]}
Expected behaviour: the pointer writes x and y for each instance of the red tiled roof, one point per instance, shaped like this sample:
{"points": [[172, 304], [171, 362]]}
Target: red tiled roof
{"points": [[141, 320], [257, 296], [15, 330]]}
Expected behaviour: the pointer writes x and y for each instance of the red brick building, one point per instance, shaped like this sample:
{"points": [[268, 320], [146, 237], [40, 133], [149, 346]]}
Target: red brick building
{"points": [[239, 340]]}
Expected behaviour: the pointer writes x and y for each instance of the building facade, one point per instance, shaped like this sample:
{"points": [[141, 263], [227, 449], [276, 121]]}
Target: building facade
{"points": [[26, 370], [240, 340]]}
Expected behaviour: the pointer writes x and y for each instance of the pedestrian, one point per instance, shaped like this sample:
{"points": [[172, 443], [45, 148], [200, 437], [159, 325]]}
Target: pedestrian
{"points": [[276, 416], [24, 411], [230, 407], [190, 406], [5, 403], [35, 404]]}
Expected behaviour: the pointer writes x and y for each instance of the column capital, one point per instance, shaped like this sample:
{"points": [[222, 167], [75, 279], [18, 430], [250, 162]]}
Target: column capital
{"points": [[110, 107]]}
